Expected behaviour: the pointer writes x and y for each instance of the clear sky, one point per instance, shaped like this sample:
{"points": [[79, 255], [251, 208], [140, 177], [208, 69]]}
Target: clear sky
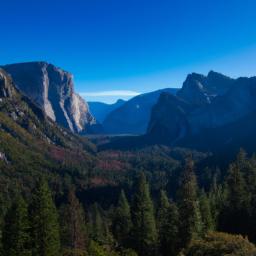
{"points": [[118, 48]]}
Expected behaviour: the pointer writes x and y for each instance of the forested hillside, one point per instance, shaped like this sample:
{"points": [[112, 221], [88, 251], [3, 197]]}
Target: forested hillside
{"points": [[61, 195], [143, 218]]}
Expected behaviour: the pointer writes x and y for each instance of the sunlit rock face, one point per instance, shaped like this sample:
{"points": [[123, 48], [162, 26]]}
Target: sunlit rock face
{"points": [[52, 89], [7, 89]]}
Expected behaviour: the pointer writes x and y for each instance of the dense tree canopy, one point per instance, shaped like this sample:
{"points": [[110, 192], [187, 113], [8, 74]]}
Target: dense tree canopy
{"points": [[144, 226], [44, 222], [144, 220]]}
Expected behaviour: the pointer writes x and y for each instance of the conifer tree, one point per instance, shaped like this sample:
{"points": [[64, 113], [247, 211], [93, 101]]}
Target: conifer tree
{"points": [[168, 223], [73, 221], [16, 236], [190, 218], [44, 218], [122, 222], [251, 187], [217, 198], [144, 227], [241, 160], [99, 229], [235, 214], [206, 214]]}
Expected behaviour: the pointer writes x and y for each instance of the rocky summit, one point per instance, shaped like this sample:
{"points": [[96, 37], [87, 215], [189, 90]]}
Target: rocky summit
{"points": [[52, 89], [205, 103], [199, 89], [133, 116]]}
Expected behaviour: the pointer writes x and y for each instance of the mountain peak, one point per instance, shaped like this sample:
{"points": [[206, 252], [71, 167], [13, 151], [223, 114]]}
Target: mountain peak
{"points": [[199, 89], [52, 89], [214, 74], [119, 101]]}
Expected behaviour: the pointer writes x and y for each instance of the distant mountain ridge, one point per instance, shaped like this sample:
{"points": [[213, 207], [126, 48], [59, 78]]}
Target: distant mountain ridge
{"points": [[205, 103], [199, 89], [133, 116], [100, 110], [52, 89]]}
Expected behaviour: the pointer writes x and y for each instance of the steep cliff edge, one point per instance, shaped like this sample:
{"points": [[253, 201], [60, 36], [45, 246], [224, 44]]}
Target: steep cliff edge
{"points": [[52, 89], [204, 105]]}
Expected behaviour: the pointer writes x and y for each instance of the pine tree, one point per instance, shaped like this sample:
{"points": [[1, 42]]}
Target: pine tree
{"points": [[248, 171], [73, 223], [242, 160], [235, 216], [168, 223], [45, 226], [206, 214], [16, 236], [122, 222], [217, 198], [144, 227], [251, 187], [99, 229], [190, 219]]}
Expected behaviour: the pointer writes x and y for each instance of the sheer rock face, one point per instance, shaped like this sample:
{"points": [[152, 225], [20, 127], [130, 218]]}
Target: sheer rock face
{"points": [[168, 120], [203, 103], [7, 90], [52, 89], [199, 89], [133, 116]]}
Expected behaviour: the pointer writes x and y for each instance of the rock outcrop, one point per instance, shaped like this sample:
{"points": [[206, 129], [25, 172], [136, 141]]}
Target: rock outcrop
{"points": [[7, 90], [133, 116], [199, 89], [203, 104], [52, 89]]}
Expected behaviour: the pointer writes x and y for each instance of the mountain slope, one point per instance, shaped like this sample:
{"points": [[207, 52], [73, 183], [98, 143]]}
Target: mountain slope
{"points": [[31, 144], [133, 116], [186, 121], [100, 110], [226, 139], [52, 89], [199, 89], [169, 117]]}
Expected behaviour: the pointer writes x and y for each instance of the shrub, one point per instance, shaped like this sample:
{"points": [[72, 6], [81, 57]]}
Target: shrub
{"points": [[221, 244]]}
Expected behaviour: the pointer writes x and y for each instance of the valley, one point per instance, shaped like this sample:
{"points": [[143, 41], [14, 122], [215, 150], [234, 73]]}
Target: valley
{"points": [[188, 179]]}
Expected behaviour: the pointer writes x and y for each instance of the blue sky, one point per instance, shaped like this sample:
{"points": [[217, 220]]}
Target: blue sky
{"points": [[119, 48]]}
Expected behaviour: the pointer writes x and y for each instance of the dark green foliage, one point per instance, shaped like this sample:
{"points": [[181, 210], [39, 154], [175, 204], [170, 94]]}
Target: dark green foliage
{"points": [[221, 244], [74, 252], [73, 231], [44, 219], [206, 213], [168, 224], [16, 236], [190, 219], [128, 252], [144, 227], [251, 181], [122, 222], [217, 197], [95, 249], [99, 230], [235, 215]]}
